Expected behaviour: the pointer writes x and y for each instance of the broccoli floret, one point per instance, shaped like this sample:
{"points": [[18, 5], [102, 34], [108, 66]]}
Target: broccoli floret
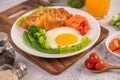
{"points": [[36, 35], [41, 39], [46, 45], [39, 35], [43, 43], [43, 33], [32, 30], [41, 30]]}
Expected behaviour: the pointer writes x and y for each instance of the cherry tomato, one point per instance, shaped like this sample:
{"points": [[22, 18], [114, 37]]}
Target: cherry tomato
{"points": [[83, 27], [99, 65], [83, 32], [89, 65], [93, 57]]}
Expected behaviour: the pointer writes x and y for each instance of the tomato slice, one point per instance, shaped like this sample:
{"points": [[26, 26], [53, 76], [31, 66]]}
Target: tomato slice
{"points": [[93, 57]]}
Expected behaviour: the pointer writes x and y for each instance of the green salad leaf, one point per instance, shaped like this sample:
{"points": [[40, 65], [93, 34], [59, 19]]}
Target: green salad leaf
{"points": [[84, 42], [41, 8], [21, 20]]}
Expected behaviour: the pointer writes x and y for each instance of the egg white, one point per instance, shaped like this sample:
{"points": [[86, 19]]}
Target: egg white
{"points": [[53, 33]]}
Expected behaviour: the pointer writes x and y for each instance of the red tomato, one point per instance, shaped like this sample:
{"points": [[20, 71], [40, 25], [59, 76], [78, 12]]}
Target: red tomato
{"points": [[83, 32], [89, 65], [99, 65], [93, 57], [83, 27]]}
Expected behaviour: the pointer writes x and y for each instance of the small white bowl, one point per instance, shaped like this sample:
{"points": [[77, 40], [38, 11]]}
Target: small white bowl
{"points": [[116, 35]]}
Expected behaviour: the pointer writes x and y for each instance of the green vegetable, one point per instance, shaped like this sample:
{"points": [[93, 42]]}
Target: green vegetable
{"points": [[36, 46], [76, 3], [84, 42], [36, 38], [32, 30], [39, 35], [41, 8], [26, 38], [21, 20], [115, 21]]}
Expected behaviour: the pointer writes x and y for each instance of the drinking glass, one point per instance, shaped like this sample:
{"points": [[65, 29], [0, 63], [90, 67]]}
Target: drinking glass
{"points": [[97, 8]]}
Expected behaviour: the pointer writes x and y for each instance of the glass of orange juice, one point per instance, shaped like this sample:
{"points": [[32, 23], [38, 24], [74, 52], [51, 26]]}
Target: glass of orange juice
{"points": [[97, 8]]}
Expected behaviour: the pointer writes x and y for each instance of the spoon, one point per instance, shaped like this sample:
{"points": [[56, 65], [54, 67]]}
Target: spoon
{"points": [[105, 68]]}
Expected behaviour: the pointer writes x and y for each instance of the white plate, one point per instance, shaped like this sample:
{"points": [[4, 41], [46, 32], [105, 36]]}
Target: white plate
{"points": [[94, 33]]}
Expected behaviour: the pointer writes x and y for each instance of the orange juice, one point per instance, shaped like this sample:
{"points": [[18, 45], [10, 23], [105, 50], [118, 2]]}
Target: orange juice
{"points": [[97, 8]]}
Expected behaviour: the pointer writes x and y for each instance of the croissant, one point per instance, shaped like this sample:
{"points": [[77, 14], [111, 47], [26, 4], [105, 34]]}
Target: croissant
{"points": [[47, 19]]}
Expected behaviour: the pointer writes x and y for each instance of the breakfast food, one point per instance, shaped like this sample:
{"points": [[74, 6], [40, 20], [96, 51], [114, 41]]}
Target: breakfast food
{"points": [[47, 19], [55, 30], [114, 45], [78, 22], [36, 38], [94, 62], [63, 36]]}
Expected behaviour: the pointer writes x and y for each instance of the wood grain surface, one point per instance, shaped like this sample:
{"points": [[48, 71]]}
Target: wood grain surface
{"points": [[54, 66]]}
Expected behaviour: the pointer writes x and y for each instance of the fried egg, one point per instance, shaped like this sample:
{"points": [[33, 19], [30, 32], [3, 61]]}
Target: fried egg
{"points": [[63, 36]]}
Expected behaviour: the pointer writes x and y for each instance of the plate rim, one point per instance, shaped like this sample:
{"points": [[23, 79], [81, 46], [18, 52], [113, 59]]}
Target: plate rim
{"points": [[56, 55]]}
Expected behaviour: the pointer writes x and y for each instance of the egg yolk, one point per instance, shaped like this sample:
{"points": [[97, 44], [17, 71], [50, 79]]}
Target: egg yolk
{"points": [[66, 39]]}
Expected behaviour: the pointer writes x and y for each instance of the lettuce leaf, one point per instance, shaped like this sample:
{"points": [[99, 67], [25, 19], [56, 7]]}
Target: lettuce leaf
{"points": [[21, 20], [41, 8]]}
